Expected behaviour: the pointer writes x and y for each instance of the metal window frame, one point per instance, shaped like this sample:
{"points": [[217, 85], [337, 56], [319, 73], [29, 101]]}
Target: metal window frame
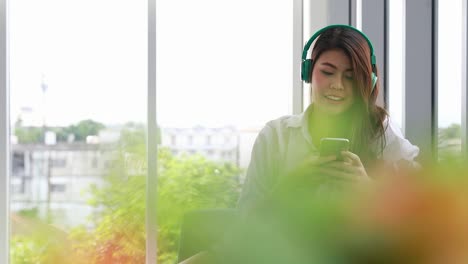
{"points": [[151, 143], [374, 25], [464, 103], [330, 12], [420, 91], [339, 12], [298, 42], [4, 136]]}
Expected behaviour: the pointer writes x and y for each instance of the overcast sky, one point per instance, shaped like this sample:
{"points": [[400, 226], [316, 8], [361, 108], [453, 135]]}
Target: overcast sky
{"points": [[218, 62]]}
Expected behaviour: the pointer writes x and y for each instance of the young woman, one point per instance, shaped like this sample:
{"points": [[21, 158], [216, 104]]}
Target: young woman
{"points": [[343, 80], [344, 88]]}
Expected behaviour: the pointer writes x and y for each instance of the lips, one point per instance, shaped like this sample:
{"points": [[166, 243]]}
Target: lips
{"points": [[335, 98]]}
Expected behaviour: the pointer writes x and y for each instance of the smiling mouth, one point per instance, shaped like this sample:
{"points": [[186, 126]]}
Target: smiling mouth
{"points": [[334, 98]]}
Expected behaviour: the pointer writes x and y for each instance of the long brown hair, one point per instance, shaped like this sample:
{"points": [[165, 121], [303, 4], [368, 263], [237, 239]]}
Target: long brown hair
{"points": [[367, 135]]}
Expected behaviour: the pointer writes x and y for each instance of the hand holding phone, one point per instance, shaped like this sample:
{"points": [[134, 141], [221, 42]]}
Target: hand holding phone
{"points": [[333, 146]]}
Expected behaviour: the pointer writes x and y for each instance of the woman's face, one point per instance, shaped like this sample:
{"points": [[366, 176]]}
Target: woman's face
{"points": [[332, 83]]}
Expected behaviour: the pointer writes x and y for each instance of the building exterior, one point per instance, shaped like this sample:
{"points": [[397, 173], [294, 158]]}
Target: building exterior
{"points": [[53, 179], [217, 144]]}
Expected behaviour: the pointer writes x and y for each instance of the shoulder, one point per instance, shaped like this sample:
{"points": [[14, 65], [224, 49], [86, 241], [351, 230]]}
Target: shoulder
{"points": [[392, 130], [277, 132], [397, 147], [282, 124]]}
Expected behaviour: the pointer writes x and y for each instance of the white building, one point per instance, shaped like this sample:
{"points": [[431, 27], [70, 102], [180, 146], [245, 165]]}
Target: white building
{"points": [[54, 179], [217, 144]]}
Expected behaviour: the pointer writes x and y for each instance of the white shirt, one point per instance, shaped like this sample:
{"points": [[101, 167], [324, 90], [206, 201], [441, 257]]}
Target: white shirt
{"points": [[285, 142]]}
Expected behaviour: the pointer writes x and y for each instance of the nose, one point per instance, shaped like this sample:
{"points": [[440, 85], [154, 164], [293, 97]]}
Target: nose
{"points": [[337, 84]]}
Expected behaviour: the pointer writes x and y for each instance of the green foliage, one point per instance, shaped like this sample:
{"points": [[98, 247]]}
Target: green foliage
{"points": [[29, 213], [184, 183], [450, 132], [449, 145], [189, 183], [40, 247], [118, 232], [23, 250], [28, 135], [80, 131], [84, 128]]}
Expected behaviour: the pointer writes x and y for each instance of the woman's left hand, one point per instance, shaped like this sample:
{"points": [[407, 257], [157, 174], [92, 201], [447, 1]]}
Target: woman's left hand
{"points": [[348, 169]]}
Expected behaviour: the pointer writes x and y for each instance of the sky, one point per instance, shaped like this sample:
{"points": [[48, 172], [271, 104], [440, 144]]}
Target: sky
{"points": [[218, 62]]}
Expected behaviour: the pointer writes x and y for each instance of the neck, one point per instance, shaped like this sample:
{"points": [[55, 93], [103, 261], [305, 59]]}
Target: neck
{"points": [[325, 125]]}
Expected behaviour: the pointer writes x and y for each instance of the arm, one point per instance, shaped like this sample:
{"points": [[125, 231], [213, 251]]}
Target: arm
{"points": [[262, 172], [399, 151], [200, 258]]}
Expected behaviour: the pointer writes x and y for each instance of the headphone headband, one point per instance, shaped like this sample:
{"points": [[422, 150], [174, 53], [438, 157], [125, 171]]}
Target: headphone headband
{"points": [[318, 33], [306, 65]]}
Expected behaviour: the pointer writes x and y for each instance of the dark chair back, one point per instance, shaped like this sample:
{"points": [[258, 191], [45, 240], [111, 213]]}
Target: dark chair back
{"points": [[202, 229]]}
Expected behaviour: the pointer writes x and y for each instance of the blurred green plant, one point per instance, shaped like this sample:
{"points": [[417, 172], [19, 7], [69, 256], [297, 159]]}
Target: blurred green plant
{"points": [[414, 217]]}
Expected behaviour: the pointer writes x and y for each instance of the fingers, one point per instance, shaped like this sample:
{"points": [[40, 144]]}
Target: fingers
{"points": [[317, 161], [338, 175], [348, 170], [323, 160], [345, 166], [351, 156]]}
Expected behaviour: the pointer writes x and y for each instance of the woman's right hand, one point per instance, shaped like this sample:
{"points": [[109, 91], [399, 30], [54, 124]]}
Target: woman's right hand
{"points": [[308, 171]]}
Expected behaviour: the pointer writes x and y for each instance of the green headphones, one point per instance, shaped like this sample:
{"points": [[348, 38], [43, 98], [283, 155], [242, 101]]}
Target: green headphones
{"points": [[306, 66]]}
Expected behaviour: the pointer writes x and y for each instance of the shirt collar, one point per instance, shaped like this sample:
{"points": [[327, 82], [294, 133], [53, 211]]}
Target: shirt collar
{"points": [[300, 120]]}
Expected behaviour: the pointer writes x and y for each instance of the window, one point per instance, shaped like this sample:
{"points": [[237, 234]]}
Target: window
{"points": [[396, 63], [17, 167], [70, 58], [449, 78], [58, 188], [78, 68], [226, 67], [58, 163]]}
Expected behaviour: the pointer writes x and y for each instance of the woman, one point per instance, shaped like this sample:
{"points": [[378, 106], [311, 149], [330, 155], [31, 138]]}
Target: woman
{"points": [[344, 89]]}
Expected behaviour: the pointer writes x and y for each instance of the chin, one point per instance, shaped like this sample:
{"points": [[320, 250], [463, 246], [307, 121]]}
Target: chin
{"points": [[335, 110]]}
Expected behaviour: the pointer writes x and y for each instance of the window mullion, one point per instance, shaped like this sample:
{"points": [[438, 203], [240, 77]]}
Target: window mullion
{"points": [[4, 136], [151, 182]]}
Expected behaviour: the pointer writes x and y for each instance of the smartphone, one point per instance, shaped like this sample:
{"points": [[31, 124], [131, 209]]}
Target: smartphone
{"points": [[333, 146]]}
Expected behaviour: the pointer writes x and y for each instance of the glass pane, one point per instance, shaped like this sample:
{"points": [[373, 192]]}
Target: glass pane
{"points": [[78, 112], [315, 18], [396, 63], [449, 78], [224, 68]]}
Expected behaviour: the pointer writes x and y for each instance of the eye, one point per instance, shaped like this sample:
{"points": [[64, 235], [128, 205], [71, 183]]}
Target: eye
{"points": [[349, 77], [326, 72]]}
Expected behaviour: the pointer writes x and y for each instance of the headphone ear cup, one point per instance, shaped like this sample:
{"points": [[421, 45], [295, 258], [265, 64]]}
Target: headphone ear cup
{"points": [[306, 68], [374, 81]]}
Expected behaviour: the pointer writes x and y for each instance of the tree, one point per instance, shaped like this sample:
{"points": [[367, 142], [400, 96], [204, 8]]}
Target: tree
{"points": [[450, 144], [118, 235], [450, 132], [28, 135], [84, 128], [80, 131], [184, 183]]}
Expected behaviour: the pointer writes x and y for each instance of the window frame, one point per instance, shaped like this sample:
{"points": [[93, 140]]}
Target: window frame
{"points": [[420, 90], [464, 103], [151, 225], [4, 136]]}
